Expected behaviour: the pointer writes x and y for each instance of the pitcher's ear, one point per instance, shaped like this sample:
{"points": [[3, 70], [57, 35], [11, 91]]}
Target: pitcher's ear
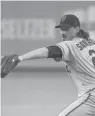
{"points": [[77, 29]]}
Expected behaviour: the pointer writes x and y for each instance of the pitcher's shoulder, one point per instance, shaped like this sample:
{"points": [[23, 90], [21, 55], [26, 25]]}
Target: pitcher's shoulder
{"points": [[70, 43]]}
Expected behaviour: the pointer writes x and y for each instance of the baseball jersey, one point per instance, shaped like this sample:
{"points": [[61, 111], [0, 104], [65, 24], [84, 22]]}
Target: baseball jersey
{"points": [[79, 55]]}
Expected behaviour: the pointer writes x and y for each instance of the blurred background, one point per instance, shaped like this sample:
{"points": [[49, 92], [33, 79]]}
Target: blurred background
{"points": [[40, 87]]}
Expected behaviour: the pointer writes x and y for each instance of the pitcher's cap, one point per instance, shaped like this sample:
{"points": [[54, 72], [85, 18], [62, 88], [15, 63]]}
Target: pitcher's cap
{"points": [[69, 20]]}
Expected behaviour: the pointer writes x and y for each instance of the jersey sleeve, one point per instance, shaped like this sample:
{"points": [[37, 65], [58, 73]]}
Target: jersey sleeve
{"points": [[66, 52]]}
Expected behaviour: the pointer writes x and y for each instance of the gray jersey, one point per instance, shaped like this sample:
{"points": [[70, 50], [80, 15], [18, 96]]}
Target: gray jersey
{"points": [[79, 54]]}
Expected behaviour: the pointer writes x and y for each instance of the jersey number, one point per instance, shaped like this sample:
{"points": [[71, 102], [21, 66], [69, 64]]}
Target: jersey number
{"points": [[93, 58]]}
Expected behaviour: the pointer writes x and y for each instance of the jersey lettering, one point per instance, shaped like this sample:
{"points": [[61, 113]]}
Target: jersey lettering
{"points": [[82, 44], [79, 46]]}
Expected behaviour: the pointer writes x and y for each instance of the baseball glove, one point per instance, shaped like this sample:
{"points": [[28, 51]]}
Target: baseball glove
{"points": [[8, 63]]}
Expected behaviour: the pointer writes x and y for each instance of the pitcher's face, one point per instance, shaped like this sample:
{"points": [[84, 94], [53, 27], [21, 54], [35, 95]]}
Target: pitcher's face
{"points": [[68, 33]]}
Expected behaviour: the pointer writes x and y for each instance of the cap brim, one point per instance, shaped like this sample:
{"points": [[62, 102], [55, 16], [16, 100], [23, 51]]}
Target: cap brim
{"points": [[64, 25], [58, 26]]}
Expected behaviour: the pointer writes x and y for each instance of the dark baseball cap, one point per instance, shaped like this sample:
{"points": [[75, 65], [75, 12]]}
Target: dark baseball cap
{"points": [[68, 20]]}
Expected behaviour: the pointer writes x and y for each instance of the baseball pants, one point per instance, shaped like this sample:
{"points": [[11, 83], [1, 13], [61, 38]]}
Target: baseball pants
{"points": [[83, 106]]}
